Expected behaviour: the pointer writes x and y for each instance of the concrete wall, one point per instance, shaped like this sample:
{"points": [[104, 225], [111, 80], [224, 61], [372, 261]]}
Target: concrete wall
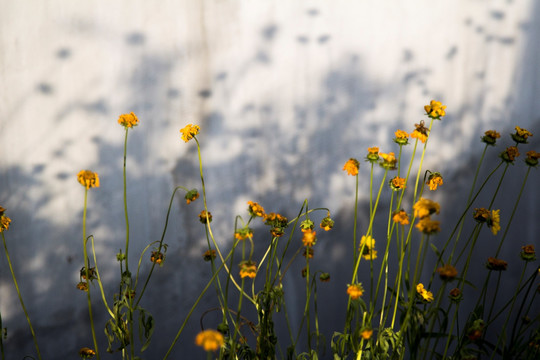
{"points": [[284, 91]]}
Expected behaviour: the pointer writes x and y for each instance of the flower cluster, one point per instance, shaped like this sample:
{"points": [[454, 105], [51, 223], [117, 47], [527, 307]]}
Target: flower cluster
{"points": [[402, 137], [510, 154], [490, 137], [397, 183], [128, 120], [389, 161], [277, 222]]}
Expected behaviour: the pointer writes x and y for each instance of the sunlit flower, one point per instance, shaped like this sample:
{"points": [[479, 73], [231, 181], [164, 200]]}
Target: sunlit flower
{"points": [[389, 161], [521, 135], [435, 109], [324, 277], [83, 286], [366, 334], [86, 353], [309, 238], [189, 131], [421, 132], [209, 255], [327, 223], [510, 154], [435, 179], [205, 217], [210, 340], [528, 253], [243, 233], [191, 196], [351, 167], [402, 137], [355, 291], [397, 183], [428, 226], [425, 207], [401, 217], [447, 272], [373, 154], [128, 120], [490, 137], [157, 257], [494, 222], [481, 215], [496, 264], [424, 293], [88, 179], [455, 295], [532, 158], [248, 269], [255, 209]]}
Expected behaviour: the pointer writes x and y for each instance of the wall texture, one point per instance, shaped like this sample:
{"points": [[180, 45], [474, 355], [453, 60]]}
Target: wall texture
{"points": [[284, 91]]}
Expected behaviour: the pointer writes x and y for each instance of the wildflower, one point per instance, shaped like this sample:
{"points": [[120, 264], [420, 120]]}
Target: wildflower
{"points": [[189, 131], [421, 132], [447, 272], [209, 255], [248, 269], [306, 225], [510, 154], [210, 340], [455, 295], [88, 179], [494, 222], [397, 183], [435, 179], [402, 137], [324, 277], [490, 137], [389, 161], [428, 226], [435, 109], [4, 220], [528, 253], [255, 209], [475, 330], [373, 154], [351, 167], [86, 353], [532, 158], [157, 257], [309, 238], [243, 234], [308, 252], [128, 120], [205, 217], [83, 286], [369, 254], [277, 231], [91, 273], [401, 217], [521, 135], [496, 264], [327, 223], [367, 246], [481, 215], [275, 220], [424, 294], [191, 196], [366, 334], [355, 291], [425, 207]]}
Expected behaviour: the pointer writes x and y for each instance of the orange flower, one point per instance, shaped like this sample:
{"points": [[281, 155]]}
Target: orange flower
{"points": [[447, 272], [532, 158], [210, 340], [351, 166], [373, 154], [397, 183], [355, 291], [421, 132], [389, 161], [521, 135], [248, 269], [401, 217], [255, 209], [434, 180], [490, 137], [88, 179], [425, 207], [309, 238], [510, 154], [128, 120]]}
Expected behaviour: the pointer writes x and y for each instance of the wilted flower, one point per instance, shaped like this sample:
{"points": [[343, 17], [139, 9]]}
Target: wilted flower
{"points": [[351, 167], [496, 264], [521, 135], [189, 131], [355, 291], [475, 330], [327, 223], [423, 293], [86, 353], [425, 207], [255, 209], [88, 179], [389, 161], [397, 183], [92, 275], [490, 137], [248, 269], [128, 120], [532, 158], [421, 132], [402, 138], [435, 109], [528, 253], [157, 257], [83, 286], [205, 217], [373, 154], [435, 179], [210, 340], [510, 154], [401, 217], [447, 272], [191, 196], [308, 252]]}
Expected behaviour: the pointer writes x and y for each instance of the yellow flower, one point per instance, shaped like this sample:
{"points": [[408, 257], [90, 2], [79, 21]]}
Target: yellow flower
{"points": [[191, 196], [389, 161], [424, 294], [128, 120], [248, 269], [421, 132], [369, 254], [203, 217], [210, 340], [494, 223], [521, 135], [434, 180], [367, 246], [351, 166], [532, 158], [4, 220], [490, 137], [255, 209], [367, 241], [428, 226], [366, 334], [88, 179], [447, 272], [435, 109], [402, 137], [510, 154], [425, 207], [86, 353], [355, 291], [189, 131], [401, 217], [309, 238], [397, 183]]}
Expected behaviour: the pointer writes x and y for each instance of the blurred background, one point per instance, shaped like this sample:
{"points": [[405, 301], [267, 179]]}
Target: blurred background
{"points": [[284, 92]]}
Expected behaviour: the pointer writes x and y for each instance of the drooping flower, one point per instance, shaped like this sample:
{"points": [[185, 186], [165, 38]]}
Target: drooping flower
{"points": [[397, 183], [447, 272], [389, 161], [494, 222], [435, 179], [244, 233], [205, 217], [424, 293], [510, 154], [83, 286], [157, 257], [435, 109], [496, 264], [86, 353], [309, 238], [327, 223], [191, 196], [88, 179], [248, 269], [421, 132], [355, 291], [277, 222], [210, 340], [351, 167], [209, 255], [528, 253], [373, 154], [425, 207], [402, 137], [428, 226], [490, 137], [128, 120], [92, 274], [254, 209], [189, 131], [521, 135], [401, 217], [532, 158]]}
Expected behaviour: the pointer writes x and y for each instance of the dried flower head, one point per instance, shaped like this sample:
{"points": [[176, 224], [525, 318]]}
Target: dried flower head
{"points": [[83, 286], [421, 132], [351, 167], [397, 183], [327, 223], [496, 264], [401, 217], [86, 353], [521, 135], [435, 179], [254, 209], [324, 277], [425, 207], [435, 109], [532, 158], [191, 196], [205, 217], [189, 131], [490, 137], [510, 154], [481, 215], [355, 291], [210, 340], [528, 253], [428, 226], [92, 274], [402, 137], [128, 120], [447, 272], [88, 179], [455, 295]]}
